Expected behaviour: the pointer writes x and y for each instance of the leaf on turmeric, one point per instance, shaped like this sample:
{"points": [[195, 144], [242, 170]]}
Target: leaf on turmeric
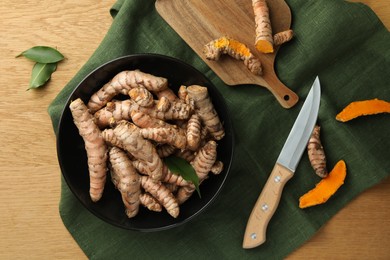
{"points": [[181, 167], [326, 187], [363, 108]]}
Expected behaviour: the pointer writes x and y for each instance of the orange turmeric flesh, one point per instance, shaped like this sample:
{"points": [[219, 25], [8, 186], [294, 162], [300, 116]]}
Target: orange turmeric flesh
{"points": [[326, 187], [363, 108]]}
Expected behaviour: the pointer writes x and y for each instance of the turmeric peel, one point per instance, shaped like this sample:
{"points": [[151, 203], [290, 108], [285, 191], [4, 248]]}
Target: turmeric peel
{"points": [[363, 108], [326, 187]]}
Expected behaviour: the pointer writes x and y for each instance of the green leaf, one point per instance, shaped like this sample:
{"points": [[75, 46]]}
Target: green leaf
{"points": [[183, 168], [42, 54], [41, 74]]}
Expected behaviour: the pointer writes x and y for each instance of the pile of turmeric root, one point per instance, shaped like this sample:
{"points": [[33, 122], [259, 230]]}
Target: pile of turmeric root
{"points": [[135, 121]]}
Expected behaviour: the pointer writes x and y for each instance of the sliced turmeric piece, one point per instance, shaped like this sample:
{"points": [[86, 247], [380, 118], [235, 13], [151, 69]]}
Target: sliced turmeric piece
{"points": [[264, 40], [363, 108], [326, 187], [235, 49]]}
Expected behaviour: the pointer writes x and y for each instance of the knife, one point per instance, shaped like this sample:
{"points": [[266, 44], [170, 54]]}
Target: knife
{"points": [[289, 157]]}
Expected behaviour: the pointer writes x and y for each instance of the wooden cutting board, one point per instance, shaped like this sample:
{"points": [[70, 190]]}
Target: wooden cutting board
{"points": [[201, 21]]}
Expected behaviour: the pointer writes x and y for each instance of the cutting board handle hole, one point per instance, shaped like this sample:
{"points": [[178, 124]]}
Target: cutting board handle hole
{"points": [[286, 97]]}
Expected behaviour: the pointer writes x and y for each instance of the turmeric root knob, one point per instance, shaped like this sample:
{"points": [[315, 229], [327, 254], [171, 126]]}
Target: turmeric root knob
{"points": [[150, 202], [94, 145], [122, 83], [316, 153]]}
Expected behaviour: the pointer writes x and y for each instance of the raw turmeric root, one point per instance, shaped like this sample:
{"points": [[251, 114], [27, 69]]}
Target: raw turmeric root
{"points": [[205, 159], [126, 180], [165, 150], [122, 83], [150, 202], [193, 132], [206, 111], [326, 187], [363, 108], [95, 147], [163, 104], [264, 40], [118, 110], [144, 120], [283, 37], [129, 135], [141, 96], [167, 93], [202, 164], [235, 49], [123, 110], [167, 175], [166, 135], [217, 168], [161, 194], [316, 153]]}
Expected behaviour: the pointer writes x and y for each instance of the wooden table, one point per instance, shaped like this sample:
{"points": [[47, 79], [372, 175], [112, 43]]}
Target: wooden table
{"points": [[30, 225]]}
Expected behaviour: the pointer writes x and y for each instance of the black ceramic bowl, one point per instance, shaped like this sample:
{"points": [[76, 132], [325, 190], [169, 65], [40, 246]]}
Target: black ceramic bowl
{"points": [[73, 160]]}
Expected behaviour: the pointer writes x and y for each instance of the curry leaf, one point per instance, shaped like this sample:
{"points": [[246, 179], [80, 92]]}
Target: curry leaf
{"points": [[183, 168], [42, 54], [41, 74]]}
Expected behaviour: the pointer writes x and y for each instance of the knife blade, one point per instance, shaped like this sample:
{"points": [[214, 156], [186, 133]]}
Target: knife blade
{"points": [[289, 157]]}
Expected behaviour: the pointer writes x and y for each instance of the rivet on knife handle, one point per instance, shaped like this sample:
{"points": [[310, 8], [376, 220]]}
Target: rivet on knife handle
{"points": [[265, 206]]}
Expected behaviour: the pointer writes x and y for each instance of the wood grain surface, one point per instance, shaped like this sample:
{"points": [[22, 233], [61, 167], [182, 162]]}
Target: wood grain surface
{"points": [[30, 226], [201, 21]]}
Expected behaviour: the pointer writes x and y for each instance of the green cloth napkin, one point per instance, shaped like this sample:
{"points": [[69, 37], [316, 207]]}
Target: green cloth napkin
{"points": [[345, 44]]}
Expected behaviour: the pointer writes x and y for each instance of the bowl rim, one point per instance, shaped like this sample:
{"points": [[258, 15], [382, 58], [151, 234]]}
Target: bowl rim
{"points": [[99, 215]]}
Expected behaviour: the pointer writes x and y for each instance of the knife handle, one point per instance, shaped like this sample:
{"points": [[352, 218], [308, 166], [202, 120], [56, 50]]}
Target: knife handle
{"points": [[265, 206]]}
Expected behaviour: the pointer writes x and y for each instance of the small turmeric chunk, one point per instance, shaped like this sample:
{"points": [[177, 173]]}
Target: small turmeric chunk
{"points": [[326, 187], [316, 153], [235, 49], [363, 108], [283, 37], [264, 40], [95, 147]]}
